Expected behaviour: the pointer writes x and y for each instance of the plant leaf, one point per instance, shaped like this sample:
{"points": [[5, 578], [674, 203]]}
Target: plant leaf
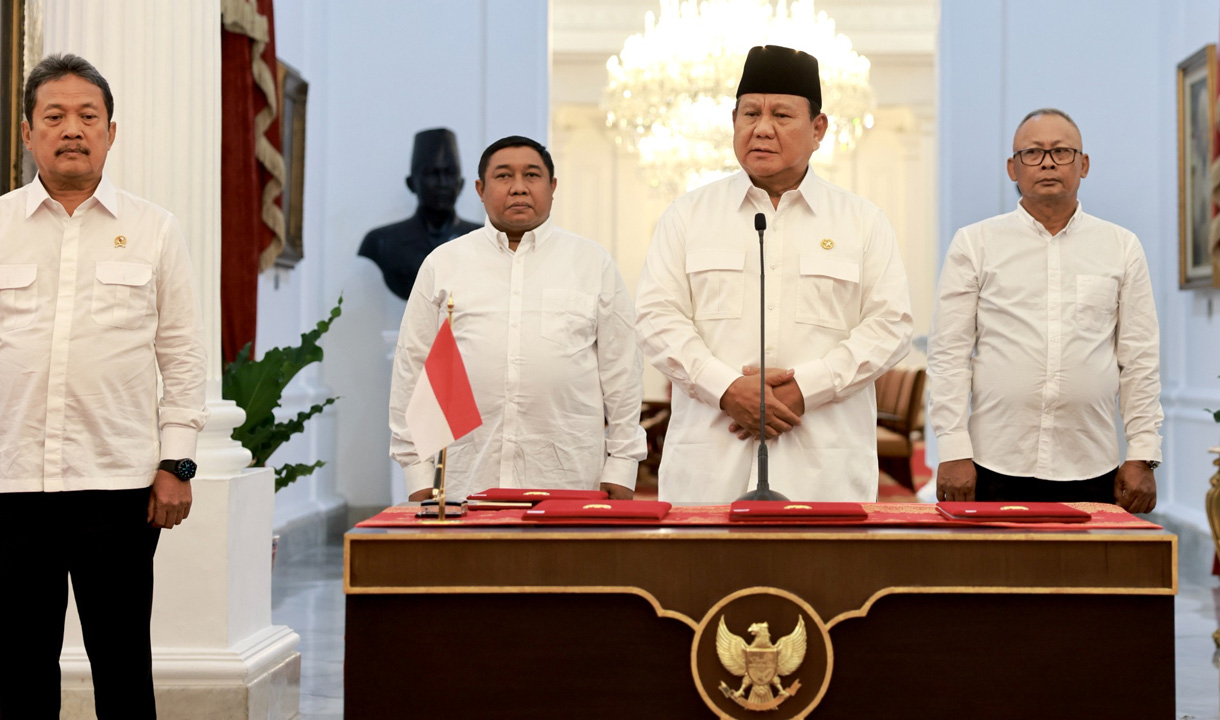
{"points": [[257, 386], [287, 474]]}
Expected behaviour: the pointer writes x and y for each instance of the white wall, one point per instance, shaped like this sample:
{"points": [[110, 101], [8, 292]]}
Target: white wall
{"points": [[1112, 67], [378, 72]]}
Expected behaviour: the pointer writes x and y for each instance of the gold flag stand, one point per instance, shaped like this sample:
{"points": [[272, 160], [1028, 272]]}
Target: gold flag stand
{"points": [[437, 507]]}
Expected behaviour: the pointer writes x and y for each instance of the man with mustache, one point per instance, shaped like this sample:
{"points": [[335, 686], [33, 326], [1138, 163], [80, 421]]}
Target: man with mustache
{"points": [[837, 308], [546, 330], [1042, 317], [96, 301], [436, 177]]}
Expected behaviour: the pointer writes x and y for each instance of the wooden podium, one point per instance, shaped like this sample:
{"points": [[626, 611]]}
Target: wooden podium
{"points": [[619, 622]]}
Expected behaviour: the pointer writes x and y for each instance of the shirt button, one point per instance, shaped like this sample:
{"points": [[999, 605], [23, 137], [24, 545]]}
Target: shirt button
{"points": [[771, 306], [515, 323], [516, 292]]}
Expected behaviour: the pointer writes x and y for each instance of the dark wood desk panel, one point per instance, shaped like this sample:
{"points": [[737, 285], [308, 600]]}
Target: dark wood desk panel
{"points": [[607, 616]]}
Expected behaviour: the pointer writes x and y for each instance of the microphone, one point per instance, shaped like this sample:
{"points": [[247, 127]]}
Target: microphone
{"points": [[763, 491]]}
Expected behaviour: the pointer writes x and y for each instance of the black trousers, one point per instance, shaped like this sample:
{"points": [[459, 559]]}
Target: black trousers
{"points": [[996, 487], [103, 540]]}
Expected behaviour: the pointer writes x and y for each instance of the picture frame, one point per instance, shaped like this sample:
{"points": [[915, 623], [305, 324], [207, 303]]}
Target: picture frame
{"points": [[294, 94], [12, 51], [1196, 126]]}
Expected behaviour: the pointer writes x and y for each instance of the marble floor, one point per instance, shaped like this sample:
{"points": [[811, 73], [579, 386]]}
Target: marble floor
{"points": [[307, 595]]}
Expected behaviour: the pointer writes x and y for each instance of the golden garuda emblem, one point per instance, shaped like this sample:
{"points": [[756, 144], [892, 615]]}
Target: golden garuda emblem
{"points": [[760, 664]]}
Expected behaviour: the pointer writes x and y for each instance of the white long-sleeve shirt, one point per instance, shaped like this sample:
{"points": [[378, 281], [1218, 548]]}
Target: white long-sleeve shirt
{"points": [[91, 306], [1033, 337], [837, 311], [547, 337]]}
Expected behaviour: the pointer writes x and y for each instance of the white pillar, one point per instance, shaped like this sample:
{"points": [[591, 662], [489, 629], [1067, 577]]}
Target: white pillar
{"points": [[215, 651]]}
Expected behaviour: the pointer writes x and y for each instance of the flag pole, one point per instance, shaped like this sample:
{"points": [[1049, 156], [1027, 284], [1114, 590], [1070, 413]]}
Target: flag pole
{"points": [[445, 450]]}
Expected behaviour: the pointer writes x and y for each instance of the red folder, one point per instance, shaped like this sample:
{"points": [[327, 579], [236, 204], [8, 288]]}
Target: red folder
{"points": [[598, 509], [535, 495], [797, 511], [1015, 512]]}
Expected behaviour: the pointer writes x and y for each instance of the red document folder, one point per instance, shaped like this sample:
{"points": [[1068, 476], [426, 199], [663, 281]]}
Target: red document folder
{"points": [[797, 511], [534, 496], [1017, 512], [605, 509]]}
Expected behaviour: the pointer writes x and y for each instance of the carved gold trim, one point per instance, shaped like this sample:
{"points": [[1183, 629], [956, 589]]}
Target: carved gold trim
{"points": [[823, 628], [990, 590], [532, 590], [639, 532]]}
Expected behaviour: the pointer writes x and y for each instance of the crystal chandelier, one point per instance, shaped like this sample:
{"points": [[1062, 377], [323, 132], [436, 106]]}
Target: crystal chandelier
{"points": [[670, 92]]}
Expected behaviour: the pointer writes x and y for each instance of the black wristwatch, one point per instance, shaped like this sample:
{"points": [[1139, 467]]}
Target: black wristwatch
{"points": [[183, 469]]}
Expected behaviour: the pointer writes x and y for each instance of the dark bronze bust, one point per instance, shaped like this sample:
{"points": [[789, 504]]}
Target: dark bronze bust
{"points": [[436, 178]]}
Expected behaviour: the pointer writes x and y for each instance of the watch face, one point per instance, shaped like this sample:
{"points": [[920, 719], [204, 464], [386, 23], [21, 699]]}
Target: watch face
{"points": [[186, 469]]}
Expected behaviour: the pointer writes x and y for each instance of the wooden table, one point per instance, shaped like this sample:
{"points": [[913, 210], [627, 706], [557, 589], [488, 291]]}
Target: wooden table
{"points": [[621, 622]]}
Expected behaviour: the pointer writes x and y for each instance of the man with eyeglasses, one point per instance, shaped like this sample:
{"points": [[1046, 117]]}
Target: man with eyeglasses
{"points": [[1043, 317]]}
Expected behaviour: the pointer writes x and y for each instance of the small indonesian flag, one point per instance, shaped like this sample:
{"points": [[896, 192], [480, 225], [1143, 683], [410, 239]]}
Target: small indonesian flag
{"points": [[442, 408]]}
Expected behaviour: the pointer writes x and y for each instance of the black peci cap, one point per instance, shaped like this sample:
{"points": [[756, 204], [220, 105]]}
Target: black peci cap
{"points": [[779, 70]]}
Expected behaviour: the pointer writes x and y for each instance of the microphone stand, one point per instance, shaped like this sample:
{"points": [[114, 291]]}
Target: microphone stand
{"points": [[763, 491]]}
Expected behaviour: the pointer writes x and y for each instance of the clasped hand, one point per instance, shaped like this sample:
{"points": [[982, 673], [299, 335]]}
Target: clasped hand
{"points": [[785, 403]]}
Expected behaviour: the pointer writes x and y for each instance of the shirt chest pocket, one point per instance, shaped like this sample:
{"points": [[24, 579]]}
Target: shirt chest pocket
{"points": [[122, 294], [18, 296], [1096, 301], [717, 283], [828, 290], [569, 318]]}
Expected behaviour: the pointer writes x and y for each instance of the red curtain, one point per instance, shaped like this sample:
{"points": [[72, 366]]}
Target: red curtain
{"points": [[245, 234]]}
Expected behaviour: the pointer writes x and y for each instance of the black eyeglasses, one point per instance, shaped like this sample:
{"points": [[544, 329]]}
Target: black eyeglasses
{"points": [[1035, 156]]}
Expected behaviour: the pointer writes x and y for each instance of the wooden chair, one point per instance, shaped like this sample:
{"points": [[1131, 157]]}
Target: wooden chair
{"points": [[899, 415]]}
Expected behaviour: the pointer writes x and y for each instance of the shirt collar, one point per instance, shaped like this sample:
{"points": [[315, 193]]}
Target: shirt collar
{"points": [[742, 187], [104, 193], [533, 238], [1033, 222]]}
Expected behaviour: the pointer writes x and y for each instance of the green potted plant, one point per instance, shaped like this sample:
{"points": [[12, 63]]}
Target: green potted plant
{"points": [[257, 386]]}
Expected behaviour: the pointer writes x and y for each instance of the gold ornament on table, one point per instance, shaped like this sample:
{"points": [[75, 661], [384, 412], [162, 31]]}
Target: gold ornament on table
{"points": [[670, 91], [760, 664]]}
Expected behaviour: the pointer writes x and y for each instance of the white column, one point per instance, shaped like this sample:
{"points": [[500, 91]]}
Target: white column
{"points": [[215, 652]]}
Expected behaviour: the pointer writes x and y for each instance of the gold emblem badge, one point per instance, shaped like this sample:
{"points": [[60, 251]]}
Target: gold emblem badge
{"points": [[537, 492], [760, 664], [797, 507], [597, 507], [828, 244], [1014, 507], [120, 242]]}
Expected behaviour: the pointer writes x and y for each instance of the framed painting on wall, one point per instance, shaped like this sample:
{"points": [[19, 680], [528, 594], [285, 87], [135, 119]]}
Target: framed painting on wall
{"points": [[12, 35], [1196, 123], [294, 93]]}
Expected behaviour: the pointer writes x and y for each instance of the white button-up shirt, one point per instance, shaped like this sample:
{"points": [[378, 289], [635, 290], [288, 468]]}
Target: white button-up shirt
{"points": [[91, 306], [837, 311], [547, 337], [1032, 338]]}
